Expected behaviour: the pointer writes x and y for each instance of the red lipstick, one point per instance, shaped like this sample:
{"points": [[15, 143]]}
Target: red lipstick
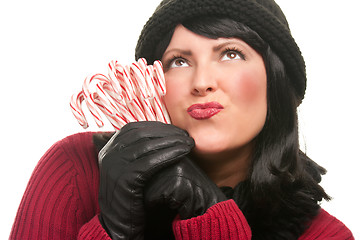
{"points": [[201, 111]]}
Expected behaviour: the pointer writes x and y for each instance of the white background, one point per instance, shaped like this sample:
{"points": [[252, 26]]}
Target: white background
{"points": [[48, 47]]}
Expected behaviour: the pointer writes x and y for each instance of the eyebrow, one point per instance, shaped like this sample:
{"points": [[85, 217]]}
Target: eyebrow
{"points": [[189, 53], [221, 45], [181, 51]]}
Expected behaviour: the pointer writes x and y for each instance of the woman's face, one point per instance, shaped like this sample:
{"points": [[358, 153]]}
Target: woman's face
{"points": [[216, 90]]}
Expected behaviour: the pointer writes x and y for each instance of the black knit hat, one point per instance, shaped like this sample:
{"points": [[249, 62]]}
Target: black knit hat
{"points": [[263, 16]]}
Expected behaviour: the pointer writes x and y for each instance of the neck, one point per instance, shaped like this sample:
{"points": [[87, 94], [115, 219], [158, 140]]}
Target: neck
{"points": [[226, 168]]}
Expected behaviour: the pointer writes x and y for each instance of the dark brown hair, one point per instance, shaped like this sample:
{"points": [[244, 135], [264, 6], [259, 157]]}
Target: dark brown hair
{"points": [[282, 193]]}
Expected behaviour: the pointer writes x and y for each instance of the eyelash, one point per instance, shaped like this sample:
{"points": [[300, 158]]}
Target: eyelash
{"points": [[171, 61], [227, 50], [234, 50]]}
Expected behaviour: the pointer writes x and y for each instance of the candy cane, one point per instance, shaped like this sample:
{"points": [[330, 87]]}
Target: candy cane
{"points": [[142, 63], [116, 122], [111, 105], [153, 100], [114, 80], [138, 78], [160, 78], [144, 93], [90, 101], [75, 105], [126, 83], [127, 94], [159, 82]]}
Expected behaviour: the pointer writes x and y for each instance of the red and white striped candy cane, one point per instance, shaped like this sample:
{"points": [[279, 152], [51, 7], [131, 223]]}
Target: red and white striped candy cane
{"points": [[142, 63], [125, 82], [160, 90], [143, 94], [149, 74], [105, 99], [127, 94], [154, 101], [90, 101], [138, 79], [146, 77], [111, 106], [131, 99], [114, 78], [75, 105], [159, 77], [114, 122]]}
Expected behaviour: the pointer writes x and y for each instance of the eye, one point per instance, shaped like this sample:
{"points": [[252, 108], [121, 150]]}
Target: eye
{"points": [[232, 54], [177, 62]]}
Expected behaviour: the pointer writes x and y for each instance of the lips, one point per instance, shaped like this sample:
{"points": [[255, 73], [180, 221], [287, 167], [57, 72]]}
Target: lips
{"points": [[203, 111]]}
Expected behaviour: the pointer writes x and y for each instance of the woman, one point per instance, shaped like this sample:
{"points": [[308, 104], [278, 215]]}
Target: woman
{"points": [[229, 166]]}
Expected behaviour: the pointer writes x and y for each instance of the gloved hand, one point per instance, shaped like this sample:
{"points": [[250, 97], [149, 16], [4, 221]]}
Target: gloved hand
{"points": [[130, 158], [181, 188]]}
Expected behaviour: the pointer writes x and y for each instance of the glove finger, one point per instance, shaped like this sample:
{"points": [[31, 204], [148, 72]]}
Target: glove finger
{"points": [[145, 124], [147, 147], [150, 165], [132, 132], [140, 131], [119, 154]]}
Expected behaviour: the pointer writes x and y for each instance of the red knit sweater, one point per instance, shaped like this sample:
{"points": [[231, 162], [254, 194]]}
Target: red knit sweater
{"points": [[61, 202]]}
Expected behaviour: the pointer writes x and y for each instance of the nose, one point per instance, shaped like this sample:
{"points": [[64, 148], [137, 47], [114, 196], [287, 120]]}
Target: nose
{"points": [[204, 81]]}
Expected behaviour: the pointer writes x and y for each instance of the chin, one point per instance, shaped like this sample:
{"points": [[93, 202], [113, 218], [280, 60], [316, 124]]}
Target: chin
{"points": [[211, 152], [209, 147], [220, 146]]}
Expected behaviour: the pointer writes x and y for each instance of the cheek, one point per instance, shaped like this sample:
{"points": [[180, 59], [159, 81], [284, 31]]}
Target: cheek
{"points": [[169, 98], [174, 93], [250, 87]]}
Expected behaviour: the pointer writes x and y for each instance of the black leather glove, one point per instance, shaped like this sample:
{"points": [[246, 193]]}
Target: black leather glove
{"points": [[131, 157], [182, 188]]}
